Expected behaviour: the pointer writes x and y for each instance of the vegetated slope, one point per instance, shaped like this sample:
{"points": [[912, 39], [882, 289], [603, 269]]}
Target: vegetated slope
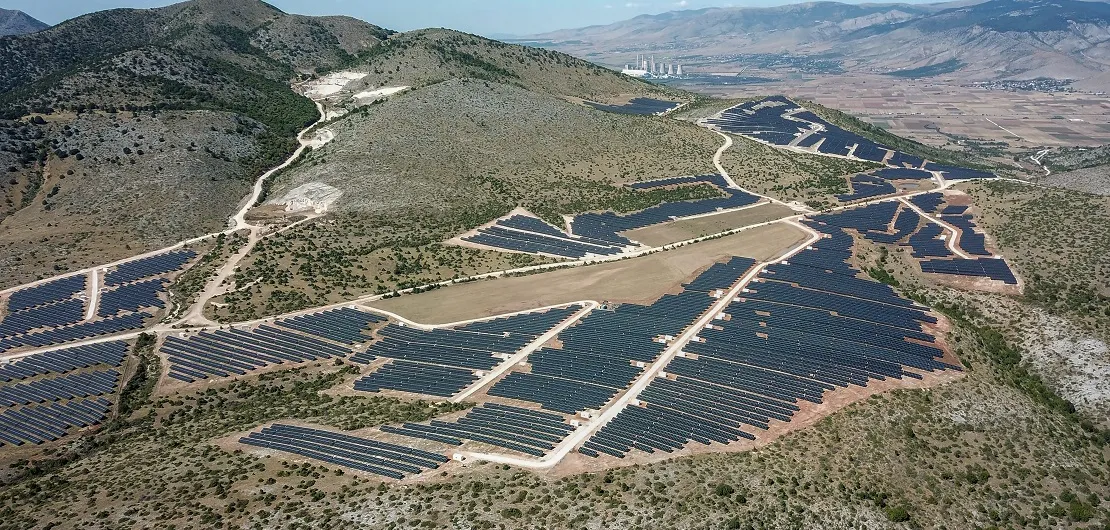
{"points": [[205, 88], [789, 176], [429, 56], [15, 22], [991, 39], [424, 166], [465, 141]]}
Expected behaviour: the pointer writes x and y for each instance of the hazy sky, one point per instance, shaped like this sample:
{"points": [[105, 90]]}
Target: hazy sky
{"points": [[486, 17]]}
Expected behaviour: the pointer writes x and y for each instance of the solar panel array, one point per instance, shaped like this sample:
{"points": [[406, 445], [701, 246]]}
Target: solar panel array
{"points": [[605, 351], [64, 360], [418, 378], [866, 187], [148, 267], [371, 456], [79, 385], [927, 243], [56, 310], [38, 424], [900, 173], [44, 316], [526, 431], [767, 120], [344, 325], [638, 106], [779, 121], [132, 297], [49, 292], [528, 234], [872, 222], [902, 160], [606, 226], [44, 408], [442, 362], [235, 352], [993, 268], [803, 328], [75, 332]]}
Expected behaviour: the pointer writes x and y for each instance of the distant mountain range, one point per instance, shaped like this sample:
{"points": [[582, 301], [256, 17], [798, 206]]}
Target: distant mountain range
{"points": [[975, 40], [13, 22]]}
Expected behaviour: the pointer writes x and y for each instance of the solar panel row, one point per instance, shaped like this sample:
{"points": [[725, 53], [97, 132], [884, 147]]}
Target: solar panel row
{"points": [[81, 385], [514, 428], [52, 291], [132, 297], [150, 266], [43, 423], [442, 362], [42, 316], [371, 456], [76, 332], [64, 360], [236, 351], [343, 325]]}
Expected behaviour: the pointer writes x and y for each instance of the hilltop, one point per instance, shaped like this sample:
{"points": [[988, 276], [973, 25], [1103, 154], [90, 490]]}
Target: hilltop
{"points": [[148, 126], [15, 22]]}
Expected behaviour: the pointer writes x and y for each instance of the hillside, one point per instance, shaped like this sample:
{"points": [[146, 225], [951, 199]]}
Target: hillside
{"points": [[1021, 39], [424, 166], [15, 22], [425, 57], [148, 126]]}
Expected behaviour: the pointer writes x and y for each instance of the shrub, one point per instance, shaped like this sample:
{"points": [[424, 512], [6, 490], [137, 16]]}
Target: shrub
{"points": [[897, 514]]}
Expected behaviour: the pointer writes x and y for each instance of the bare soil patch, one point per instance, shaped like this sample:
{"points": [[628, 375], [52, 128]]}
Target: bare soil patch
{"points": [[638, 280], [682, 230]]}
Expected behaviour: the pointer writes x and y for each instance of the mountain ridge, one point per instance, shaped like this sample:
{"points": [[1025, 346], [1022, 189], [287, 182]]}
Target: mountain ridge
{"points": [[993, 39]]}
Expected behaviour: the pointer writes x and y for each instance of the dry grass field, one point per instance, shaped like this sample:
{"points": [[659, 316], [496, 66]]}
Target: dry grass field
{"points": [[675, 231], [640, 280]]}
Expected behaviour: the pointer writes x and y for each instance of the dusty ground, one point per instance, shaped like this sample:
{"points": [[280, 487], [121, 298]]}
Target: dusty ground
{"points": [[659, 235], [639, 280]]}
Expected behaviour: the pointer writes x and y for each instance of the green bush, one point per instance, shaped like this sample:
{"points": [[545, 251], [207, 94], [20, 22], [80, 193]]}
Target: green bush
{"points": [[897, 514]]}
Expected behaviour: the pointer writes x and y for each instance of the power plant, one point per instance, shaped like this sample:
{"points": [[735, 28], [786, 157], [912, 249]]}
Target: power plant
{"points": [[646, 67]]}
